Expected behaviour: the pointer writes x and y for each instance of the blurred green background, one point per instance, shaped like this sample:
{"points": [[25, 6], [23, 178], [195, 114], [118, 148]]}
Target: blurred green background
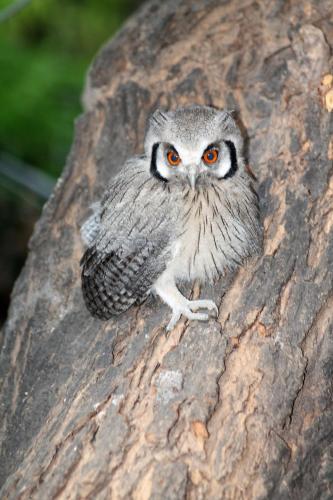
{"points": [[46, 47]]}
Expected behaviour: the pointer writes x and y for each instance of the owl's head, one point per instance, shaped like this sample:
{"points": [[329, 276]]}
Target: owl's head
{"points": [[193, 144]]}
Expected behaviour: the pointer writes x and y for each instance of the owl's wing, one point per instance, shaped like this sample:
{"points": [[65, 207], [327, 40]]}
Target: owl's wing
{"points": [[112, 282], [90, 229], [132, 247]]}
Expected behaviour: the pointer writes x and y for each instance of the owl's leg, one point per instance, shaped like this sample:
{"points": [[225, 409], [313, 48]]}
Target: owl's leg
{"points": [[166, 288]]}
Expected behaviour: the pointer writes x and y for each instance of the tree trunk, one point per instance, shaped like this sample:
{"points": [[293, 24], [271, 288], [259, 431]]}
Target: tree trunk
{"points": [[237, 408]]}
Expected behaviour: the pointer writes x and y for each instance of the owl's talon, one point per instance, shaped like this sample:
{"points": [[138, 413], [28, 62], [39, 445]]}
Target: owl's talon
{"points": [[173, 321], [204, 304], [188, 314]]}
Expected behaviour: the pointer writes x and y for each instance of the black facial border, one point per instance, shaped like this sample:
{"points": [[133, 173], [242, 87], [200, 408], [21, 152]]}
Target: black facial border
{"points": [[233, 158], [153, 166]]}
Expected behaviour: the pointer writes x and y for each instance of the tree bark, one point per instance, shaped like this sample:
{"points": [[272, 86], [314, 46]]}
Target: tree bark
{"points": [[240, 407]]}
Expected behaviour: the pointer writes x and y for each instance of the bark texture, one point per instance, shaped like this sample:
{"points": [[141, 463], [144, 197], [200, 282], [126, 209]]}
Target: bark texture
{"points": [[238, 408]]}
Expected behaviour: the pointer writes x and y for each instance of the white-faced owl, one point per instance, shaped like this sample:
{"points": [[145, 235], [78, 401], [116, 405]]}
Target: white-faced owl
{"points": [[185, 210]]}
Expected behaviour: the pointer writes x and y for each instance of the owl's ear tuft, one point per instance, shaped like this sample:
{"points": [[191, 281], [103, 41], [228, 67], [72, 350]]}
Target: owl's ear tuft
{"points": [[158, 118], [232, 112], [228, 122], [227, 117], [154, 129]]}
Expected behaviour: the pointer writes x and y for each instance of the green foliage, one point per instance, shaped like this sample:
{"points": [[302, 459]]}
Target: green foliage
{"points": [[45, 51]]}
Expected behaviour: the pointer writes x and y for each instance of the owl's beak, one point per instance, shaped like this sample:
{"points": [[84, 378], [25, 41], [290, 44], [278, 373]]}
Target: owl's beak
{"points": [[192, 179]]}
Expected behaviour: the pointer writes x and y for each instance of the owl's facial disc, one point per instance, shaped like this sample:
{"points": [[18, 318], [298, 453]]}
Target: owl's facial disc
{"points": [[218, 160]]}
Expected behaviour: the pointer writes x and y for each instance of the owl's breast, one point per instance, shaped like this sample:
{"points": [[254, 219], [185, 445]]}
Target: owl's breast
{"points": [[196, 253], [216, 235]]}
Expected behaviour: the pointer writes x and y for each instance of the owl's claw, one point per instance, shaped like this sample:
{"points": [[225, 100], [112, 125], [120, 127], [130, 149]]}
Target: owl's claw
{"points": [[166, 288], [204, 304], [187, 311], [189, 315]]}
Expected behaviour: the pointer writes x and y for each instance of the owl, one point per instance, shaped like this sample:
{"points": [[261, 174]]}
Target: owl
{"points": [[185, 210]]}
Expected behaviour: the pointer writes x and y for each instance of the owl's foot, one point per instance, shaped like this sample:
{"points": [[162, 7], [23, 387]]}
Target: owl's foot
{"points": [[169, 293], [187, 311]]}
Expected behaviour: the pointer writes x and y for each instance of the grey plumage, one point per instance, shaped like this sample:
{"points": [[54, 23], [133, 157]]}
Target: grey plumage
{"points": [[158, 224], [132, 243]]}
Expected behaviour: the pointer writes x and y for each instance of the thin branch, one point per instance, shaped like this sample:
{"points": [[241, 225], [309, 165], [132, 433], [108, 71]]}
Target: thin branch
{"points": [[13, 9], [30, 178]]}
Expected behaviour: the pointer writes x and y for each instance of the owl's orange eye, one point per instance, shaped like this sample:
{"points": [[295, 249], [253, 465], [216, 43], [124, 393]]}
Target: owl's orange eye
{"points": [[173, 158], [210, 156]]}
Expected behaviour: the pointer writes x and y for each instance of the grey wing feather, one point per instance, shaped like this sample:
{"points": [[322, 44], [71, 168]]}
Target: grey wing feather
{"points": [[90, 229], [132, 245], [119, 281]]}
